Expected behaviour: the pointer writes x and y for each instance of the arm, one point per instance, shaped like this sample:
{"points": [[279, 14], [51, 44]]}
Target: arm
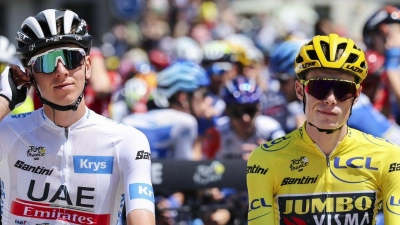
{"points": [[10, 95], [4, 109], [140, 217], [260, 190], [135, 162], [391, 187]]}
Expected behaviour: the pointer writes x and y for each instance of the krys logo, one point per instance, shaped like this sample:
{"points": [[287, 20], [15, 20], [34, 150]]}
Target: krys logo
{"points": [[93, 164], [393, 205], [348, 169], [206, 174], [332, 208], [36, 152], [299, 164]]}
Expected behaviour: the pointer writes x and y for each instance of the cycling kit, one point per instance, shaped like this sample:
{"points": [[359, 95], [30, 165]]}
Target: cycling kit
{"points": [[222, 142], [82, 174], [171, 133], [292, 182]]}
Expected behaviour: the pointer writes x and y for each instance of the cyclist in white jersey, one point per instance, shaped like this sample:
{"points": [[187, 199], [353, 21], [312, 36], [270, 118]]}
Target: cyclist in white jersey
{"points": [[237, 133], [173, 131], [63, 163]]}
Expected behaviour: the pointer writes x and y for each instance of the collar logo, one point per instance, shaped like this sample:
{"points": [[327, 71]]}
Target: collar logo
{"points": [[36, 152], [299, 164]]}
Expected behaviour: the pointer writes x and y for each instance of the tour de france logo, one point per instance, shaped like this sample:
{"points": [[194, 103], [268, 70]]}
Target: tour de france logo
{"points": [[36, 152], [299, 164]]}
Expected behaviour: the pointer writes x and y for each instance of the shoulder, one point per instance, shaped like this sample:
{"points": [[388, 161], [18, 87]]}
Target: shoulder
{"points": [[114, 128], [374, 143], [21, 122], [368, 139], [277, 146]]}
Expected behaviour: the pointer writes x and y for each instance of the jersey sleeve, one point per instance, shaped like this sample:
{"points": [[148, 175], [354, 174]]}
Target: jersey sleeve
{"points": [[260, 190], [135, 162], [391, 188]]}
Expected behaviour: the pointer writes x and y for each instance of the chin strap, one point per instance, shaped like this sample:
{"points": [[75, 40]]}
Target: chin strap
{"points": [[73, 106], [327, 131]]}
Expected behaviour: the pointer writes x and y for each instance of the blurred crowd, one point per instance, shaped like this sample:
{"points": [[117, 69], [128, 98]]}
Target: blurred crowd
{"points": [[205, 83]]}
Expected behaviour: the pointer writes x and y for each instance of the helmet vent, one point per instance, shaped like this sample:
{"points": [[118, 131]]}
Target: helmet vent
{"points": [[312, 54], [352, 58], [299, 59]]}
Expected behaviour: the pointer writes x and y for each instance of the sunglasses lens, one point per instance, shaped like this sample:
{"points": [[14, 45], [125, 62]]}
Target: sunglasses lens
{"points": [[47, 63], [238, 112], [319, 89]]}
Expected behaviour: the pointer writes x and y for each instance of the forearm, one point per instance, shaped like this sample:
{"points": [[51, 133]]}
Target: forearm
{"points": [[4, 109], [141, 217]]}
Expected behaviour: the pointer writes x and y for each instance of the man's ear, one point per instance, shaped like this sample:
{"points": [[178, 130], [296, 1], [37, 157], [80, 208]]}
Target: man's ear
{"points": [[358, 93], [88, 67], [299, 90]]}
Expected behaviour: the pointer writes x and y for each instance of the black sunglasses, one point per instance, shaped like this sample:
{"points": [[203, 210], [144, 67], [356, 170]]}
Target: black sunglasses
{"points": [[319, 88]]}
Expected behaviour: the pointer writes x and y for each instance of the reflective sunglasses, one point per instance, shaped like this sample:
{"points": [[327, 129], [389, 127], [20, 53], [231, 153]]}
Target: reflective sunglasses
{"points": [[46, 62], [319, 88], [238, 112]]}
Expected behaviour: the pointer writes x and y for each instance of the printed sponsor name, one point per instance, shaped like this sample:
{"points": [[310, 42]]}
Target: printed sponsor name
{"points": [[143, 155], [34, 169], [93, 164], [141, 190], [256, 169], [394, 167], [332, 208], [49, 212], [258, 208], [303, 180], [83, 195]]}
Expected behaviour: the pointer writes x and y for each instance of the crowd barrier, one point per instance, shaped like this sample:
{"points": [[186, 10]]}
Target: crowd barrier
{"points": [[186, 175]]}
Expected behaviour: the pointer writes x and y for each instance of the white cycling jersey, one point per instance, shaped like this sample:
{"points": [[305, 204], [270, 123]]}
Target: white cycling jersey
{"points": [[82, 174]]}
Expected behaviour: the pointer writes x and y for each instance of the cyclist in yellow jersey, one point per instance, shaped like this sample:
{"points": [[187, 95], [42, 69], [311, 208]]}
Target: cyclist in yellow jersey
{"points": [[325, 173]]}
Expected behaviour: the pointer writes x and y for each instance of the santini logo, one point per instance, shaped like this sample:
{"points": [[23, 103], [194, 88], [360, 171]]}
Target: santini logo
{"points": [[257, 169], [93, 164], [303, 180], [34, 169]]}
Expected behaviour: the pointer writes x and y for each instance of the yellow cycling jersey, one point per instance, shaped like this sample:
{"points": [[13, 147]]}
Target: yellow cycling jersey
{"points": [[291, 181]]}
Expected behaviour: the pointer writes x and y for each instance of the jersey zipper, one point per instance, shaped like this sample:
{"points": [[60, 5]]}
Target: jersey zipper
{"points": [[66, 132]]}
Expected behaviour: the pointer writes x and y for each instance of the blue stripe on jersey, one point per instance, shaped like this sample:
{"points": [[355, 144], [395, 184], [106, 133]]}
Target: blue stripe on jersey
{"points": [[141, 190]]}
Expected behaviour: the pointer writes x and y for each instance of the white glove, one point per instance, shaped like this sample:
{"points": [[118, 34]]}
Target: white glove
{"points": [[15, 95]]}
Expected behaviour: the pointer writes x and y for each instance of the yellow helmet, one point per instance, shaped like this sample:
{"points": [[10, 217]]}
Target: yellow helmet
{"points": [[333, 52]]}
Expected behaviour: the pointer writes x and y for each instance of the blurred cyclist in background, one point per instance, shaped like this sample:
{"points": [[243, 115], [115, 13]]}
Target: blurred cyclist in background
{"points": [[381, 33], [281, 68], [243, 128], [173, 131]]}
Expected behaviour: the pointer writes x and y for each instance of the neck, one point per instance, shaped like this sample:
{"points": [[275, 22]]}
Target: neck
{"points": [[65, 118], [326, 142]]}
